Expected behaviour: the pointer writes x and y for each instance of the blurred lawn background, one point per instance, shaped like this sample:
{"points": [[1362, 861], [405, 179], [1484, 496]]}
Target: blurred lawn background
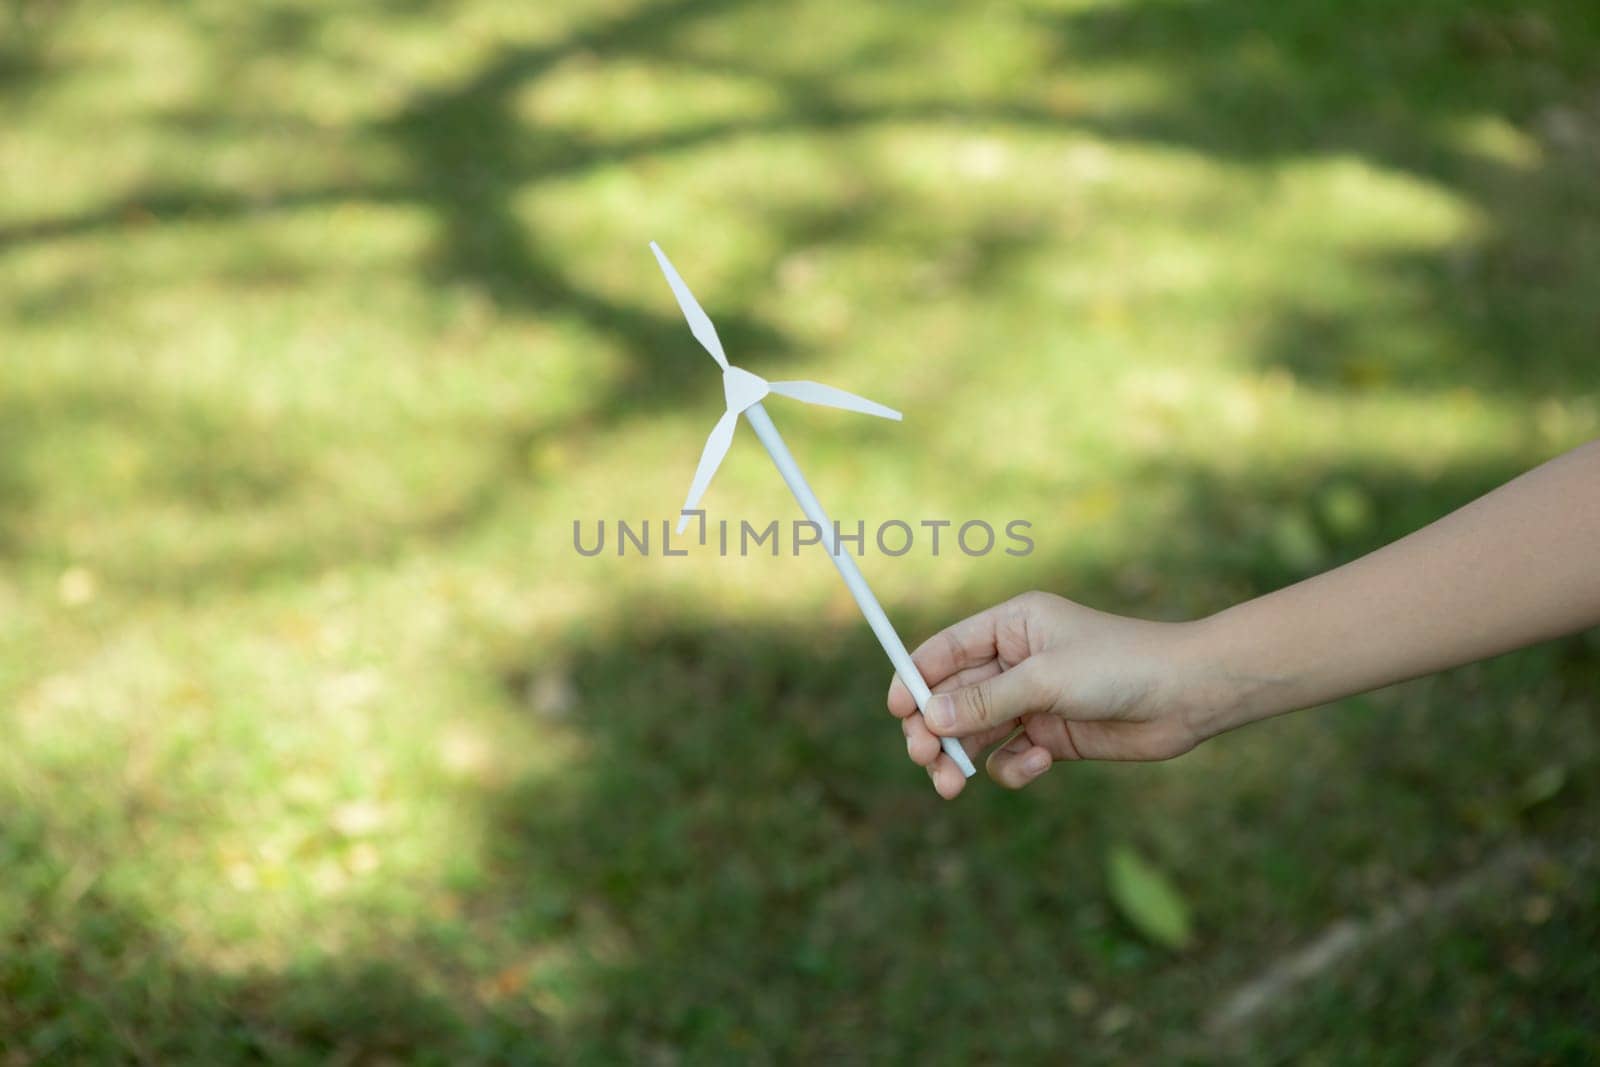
{"points": [[323, 322]]}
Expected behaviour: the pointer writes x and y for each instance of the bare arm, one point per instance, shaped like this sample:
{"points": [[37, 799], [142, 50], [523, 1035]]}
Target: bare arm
{"points": [[1515, 567], [1055, 680]]}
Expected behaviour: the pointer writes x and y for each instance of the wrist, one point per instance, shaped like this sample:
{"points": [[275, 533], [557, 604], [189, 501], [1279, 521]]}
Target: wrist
{"points": [[1223, 680]]}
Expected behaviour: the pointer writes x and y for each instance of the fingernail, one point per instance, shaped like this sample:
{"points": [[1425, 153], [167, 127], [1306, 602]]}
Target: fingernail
{"points": [[1036, 764], [941, 713]]}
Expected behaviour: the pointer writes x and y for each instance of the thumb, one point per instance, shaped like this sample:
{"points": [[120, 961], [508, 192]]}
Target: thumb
{"points": [[1008, 695]]}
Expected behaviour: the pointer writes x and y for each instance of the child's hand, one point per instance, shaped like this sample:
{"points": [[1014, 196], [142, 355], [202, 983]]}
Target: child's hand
{"points": [[1055, 680], [1068, 681]]}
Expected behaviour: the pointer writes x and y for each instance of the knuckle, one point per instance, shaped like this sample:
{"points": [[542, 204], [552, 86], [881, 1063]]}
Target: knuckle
{"points": [[952, 646], [1031, 601], [980, 702]]}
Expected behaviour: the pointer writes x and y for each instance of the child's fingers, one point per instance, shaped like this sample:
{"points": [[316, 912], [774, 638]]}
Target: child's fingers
{"points": [[921, 745], [966, 644], [901, 704], [948, 781], [1018, 762], [968, 676], [1004, 697]]}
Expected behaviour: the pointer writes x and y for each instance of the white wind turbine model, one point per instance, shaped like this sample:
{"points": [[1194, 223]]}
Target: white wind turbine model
{"points": [[744, 392]]}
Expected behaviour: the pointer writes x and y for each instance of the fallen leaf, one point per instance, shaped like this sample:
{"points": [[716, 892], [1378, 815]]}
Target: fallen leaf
{"points": [[1541, 786], [1147, 899]]}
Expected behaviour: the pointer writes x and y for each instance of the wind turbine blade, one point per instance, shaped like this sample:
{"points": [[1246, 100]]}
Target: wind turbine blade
{"points": [[710, 459], [828, 396], [699, 321]]}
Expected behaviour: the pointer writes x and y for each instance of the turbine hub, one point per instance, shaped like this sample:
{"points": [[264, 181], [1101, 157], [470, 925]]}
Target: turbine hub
{"points": [[743, 388]]}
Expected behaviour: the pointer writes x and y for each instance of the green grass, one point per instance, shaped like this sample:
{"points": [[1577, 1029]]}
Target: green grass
{"points": [[324, 322]]}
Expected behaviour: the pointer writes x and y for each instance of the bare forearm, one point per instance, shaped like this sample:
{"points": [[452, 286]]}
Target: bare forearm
{"points": [[1517, 566]]}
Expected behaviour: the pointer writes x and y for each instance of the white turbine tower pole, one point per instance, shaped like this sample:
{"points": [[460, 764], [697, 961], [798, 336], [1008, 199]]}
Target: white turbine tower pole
{"points": [[744, 392]]}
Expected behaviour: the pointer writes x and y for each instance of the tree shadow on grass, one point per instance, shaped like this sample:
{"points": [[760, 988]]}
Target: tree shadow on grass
{"points": [[1299, 81], [744, 859], [1498, 106], [1507, 312], [23, 34], [468, 158], [738, 862]]}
